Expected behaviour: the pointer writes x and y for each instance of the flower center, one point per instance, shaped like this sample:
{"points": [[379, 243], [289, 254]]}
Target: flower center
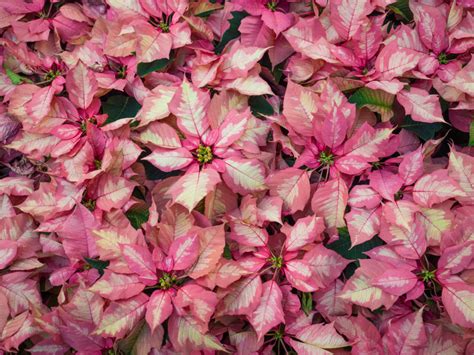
{"points": [[276, 261], [443, 58], [167, 281], [326, 158], [51, 75], [204, 154], [164, 26], [121, 72], [427, 275], [272, 5]]}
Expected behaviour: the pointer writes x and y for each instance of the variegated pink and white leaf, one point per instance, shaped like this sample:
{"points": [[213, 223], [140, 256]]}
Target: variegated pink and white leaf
{"points": [[140, 261], [306, 230], [184, 251], [115, 287], [329, 201], [292, 186], [395, 281], [269, 312], [81, 85], [193, 187], [120, 317], [244, 175], [211, 245], [363, 224], [158, 309], [315, 338], [435, 188], [170, 160], [461, 169], [458, 299], [422, 106], [348, 15], [243, 297], [113, 192], [189, 105]]}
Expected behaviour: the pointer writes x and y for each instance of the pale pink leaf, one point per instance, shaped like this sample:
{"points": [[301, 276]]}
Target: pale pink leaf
{"points": [[411, 166], [394, 61], [115, 287], [325, 264], [299, 108], [243, 297], [329, 201], [140, 261], [385, 183], [189, 105], [422, 106], [232, 128], [307, 36], [113, 192], [461, 169], [396, 281], [305, 231], [248, 234], [184, 251], [8, 250], [158, 309], [363, 224], [161, 135], [364, 196], [292, 186], [211, 246], [317, 337], [435, 188], [122, 316], [244, 175], [458, 299], [348, 15], [170, 159], [193, 187], [269, 312], [81, 85]]}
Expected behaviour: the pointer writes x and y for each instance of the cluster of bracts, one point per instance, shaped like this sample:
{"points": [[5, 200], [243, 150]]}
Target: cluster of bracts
{"points": [[247, 176]]}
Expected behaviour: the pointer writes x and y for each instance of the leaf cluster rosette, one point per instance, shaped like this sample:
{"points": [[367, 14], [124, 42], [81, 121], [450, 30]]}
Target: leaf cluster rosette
{"points": [[245, 176]]}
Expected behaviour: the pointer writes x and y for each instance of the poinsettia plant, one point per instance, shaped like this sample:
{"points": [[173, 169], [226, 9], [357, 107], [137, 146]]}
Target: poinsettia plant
{"points": [[236, 176]]}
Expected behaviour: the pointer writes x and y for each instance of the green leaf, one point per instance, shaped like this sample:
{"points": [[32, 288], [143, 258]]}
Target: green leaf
{"points": [[137, 216], [423, 130], [153, 173], [307, 302], [342, 246], [147, 68], [15, 78], [227, 253], [97, 264], [471, 134], [375, 100], [233, 30], [402, 8], [260, 107], [120, 106]]}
